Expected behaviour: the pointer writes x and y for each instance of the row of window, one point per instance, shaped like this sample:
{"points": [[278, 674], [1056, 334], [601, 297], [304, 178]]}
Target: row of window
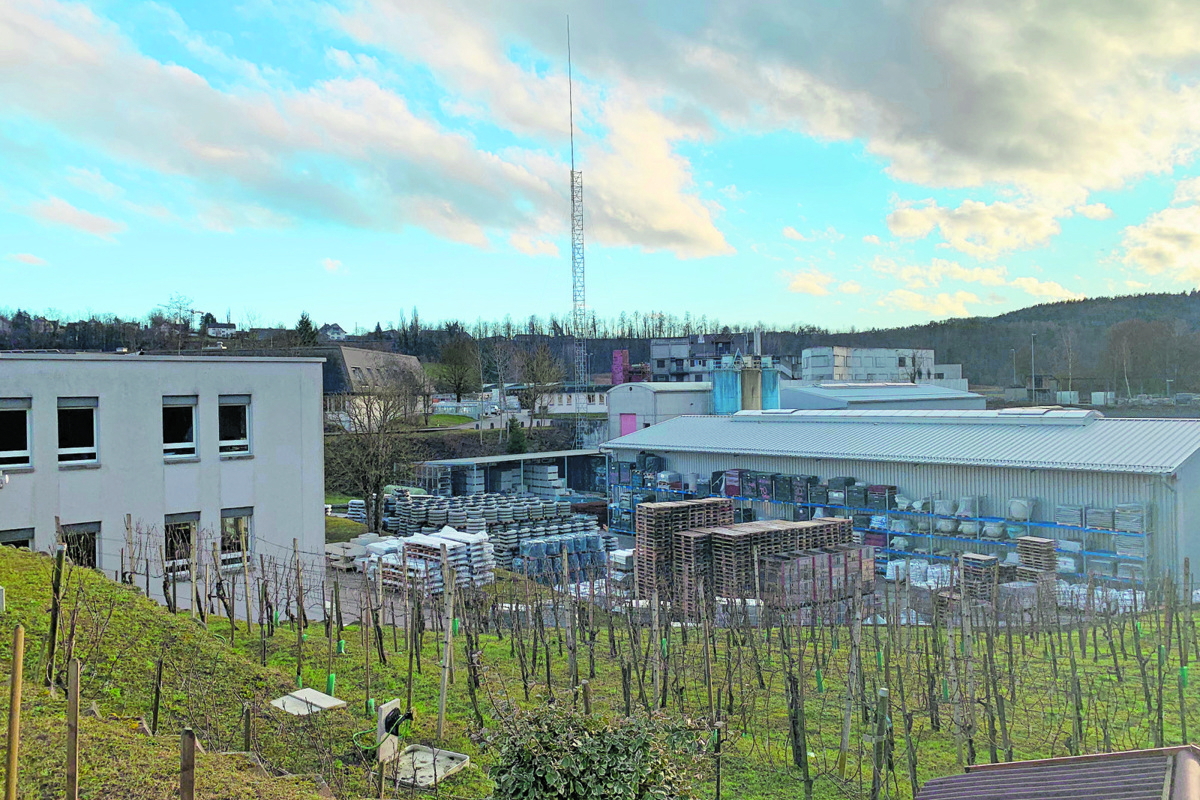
{"points": [[566, 399], [79, 435], [84, 542]]}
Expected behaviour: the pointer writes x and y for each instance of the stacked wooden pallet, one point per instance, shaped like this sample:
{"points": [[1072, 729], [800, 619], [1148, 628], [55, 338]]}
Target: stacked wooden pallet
{"points": [[654, 525], [979, 575], [693, 570], [735, 547], [808, 577], [1036, 556]]}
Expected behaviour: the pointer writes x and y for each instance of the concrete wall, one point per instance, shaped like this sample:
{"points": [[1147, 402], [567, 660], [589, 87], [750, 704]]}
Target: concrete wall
{"points": [[651, 407], [282, 478]]}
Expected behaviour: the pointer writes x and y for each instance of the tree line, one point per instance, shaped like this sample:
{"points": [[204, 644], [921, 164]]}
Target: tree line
{"points": [[1131, 345]]}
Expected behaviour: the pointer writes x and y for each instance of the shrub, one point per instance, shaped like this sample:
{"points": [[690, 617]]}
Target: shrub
{"points": [[560, 753]]}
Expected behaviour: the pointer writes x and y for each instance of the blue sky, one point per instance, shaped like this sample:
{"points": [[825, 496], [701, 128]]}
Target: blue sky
{"points": [[861, 164]]}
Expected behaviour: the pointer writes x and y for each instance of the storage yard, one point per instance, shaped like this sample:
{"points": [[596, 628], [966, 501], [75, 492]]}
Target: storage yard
{"points": [[1114, 496]]}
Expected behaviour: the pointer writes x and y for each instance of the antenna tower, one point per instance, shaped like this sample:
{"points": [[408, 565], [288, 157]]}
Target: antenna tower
{"points": [[578, 299]]}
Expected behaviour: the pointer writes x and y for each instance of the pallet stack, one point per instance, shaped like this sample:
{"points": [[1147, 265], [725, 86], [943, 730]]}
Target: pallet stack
{"points": [[654, 525], [979, 575], [811, 577], [693, 569], [735, 547], [1036, 556]]}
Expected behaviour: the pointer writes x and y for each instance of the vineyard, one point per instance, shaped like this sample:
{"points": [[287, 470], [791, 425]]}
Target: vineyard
{"points": [[836, 701]]}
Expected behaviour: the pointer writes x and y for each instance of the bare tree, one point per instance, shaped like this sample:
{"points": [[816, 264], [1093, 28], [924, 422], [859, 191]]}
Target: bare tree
{"points": [[376, 446], [459, 367], [540, 371]]}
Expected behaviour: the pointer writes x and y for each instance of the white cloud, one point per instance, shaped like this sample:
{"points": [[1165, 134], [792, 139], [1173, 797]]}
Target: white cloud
{"points": [[731, 191], [850, 287], [872, 239], [351, 62], [57, 211], [830, 234], [808, 281], [332, 265], [1095, 211], [926, 276], [981, 230], [937, 306], [1167, 244], [533, 247], [93, 182], [1187, 191], [388, 166], [1046, 290], [25, 258]]}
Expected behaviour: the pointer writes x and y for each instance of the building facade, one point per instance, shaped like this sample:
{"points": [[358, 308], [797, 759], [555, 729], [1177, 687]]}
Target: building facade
{"points": [[143, 465], [692, 359], [1050, 466], [634, 406], [878, 364]]}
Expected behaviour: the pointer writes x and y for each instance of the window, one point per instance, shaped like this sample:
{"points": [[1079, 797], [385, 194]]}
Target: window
{"points": [[21, 538], [699, 378], [14, 432], [569, 399], [178, 532], [235, 536], [81, 542], [179, 426], [77, 430], [662, 362], [591, 399], [233, 418], [902, 361], [937, 376]]}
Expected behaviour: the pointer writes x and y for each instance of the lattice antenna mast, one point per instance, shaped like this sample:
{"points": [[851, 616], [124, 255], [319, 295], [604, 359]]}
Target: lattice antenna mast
{"points": [[578, 298]]}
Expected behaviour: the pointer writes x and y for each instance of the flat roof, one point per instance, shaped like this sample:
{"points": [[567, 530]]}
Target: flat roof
{"points": [[481, 461], [665, 386], [1033, 438], [877, 392], [150, 357]]}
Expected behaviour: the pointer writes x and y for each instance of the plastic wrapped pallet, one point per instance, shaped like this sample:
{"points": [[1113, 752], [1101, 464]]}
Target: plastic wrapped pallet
{"points": [[1020, 509]]}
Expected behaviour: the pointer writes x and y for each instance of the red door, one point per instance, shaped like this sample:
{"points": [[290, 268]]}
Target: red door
{"points": [[628, 423]]}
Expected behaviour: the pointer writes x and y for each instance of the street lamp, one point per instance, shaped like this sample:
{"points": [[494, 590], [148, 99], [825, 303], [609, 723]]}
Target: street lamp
{"points": [[1033, 367]]}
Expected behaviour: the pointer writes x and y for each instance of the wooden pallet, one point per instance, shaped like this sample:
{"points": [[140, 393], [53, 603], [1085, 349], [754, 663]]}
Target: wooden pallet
{"points": [[1037, 553]]}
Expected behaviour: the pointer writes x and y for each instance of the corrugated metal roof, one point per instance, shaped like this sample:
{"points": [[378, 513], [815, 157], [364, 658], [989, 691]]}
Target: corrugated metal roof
{"points": [[480, 461], [1138, 775], [664, 386], [1030, 438]]}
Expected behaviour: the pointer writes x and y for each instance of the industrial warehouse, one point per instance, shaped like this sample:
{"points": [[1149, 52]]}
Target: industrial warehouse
{"points": [[1041, 489]]}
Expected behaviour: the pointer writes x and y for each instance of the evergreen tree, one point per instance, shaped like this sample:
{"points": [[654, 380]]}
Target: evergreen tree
{"points": [[306, 332]]}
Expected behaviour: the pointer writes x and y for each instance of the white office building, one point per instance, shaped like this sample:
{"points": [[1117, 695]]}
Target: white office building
{"points": [[878, 364], [143, 463]]}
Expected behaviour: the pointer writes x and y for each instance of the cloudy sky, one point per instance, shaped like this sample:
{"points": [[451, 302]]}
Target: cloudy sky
{"points": [[869, 162]]}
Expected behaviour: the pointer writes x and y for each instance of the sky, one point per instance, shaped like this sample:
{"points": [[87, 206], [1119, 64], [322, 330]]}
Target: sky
{"points": [[864, 163]]}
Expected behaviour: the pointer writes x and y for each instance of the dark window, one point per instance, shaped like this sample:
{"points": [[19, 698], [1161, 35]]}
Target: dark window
{"points": [[81, 543], [21, 538], [14, 438], [179, 430], [234, 424], [178, 541], [235, 536], [77, 434], [902, 361], [662, 362]]}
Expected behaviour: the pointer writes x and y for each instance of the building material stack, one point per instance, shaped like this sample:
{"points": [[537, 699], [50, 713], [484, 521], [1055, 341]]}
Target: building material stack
{"points": [[811, 577], [543, 481], [979, 575], [693, 569], [654, 525], [1037, 557], [735, 548]]}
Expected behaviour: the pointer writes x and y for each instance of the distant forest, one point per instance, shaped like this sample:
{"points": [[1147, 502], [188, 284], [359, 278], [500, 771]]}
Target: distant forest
{"points": [[1131, 344]]}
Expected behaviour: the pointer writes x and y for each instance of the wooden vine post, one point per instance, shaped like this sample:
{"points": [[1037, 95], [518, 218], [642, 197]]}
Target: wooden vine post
{"points": [[73, 730], [17, 671]]}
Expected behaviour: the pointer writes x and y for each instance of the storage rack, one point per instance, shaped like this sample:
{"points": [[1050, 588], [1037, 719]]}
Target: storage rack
{"points": [[882, 554]]}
